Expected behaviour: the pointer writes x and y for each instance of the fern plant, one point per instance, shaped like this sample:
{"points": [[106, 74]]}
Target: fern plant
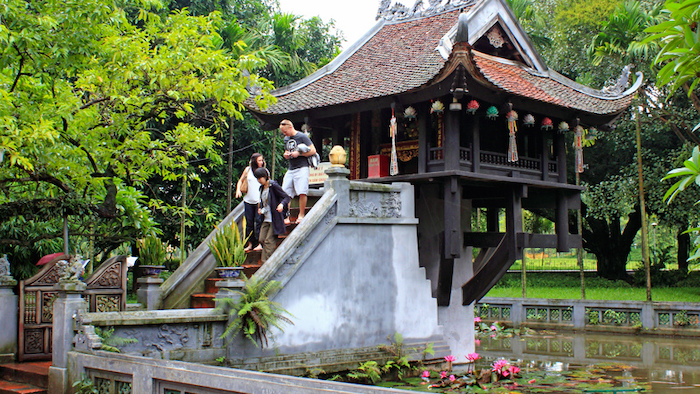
{"points": [[110, 342], [254, 314], [228, 246]]}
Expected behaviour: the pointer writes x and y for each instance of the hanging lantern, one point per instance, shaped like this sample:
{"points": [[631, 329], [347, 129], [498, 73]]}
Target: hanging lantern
{"points": [[472, 106], [511, 118], [529, 120], [409, 113], [455, 105], [547, 124], [492, 112], [563, 127], [578, 148], [437, 107]]}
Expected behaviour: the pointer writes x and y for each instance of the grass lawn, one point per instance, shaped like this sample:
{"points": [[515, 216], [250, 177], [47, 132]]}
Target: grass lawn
{"points": [[568, 286], [680, 294]]}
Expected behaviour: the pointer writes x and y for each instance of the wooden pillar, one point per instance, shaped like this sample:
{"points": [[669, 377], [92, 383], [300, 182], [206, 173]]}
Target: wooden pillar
{"points": [[561, 156], [476, 145], [492, 220], [451, 147], [561, 223], [354, 154], [514, 216], [452, 240], [545, 157], [452, 208], [423, 117]]}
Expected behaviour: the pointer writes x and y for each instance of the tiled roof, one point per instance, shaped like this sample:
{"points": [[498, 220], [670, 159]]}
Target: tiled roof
{"points": [[516, 79], [399, 57], [402, 56]]}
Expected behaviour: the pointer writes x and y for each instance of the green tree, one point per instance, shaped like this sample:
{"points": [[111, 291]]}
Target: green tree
{"points": [[81, 110]]}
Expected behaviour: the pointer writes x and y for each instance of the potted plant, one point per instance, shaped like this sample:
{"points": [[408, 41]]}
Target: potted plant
{"points": [[151, 255], [228, 248]]}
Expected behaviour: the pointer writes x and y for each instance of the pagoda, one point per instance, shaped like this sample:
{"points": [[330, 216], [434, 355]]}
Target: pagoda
{"points": [[452, 97]]}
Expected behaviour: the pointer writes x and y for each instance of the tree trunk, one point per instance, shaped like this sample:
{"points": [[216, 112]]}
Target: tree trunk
{"points": [[611, 244], [683, 248]]}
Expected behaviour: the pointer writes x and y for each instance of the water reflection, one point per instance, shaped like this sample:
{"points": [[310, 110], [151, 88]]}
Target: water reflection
{"points": [[669, 365]]}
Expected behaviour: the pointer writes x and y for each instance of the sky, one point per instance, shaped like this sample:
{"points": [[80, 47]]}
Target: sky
{"points": [[353, 17]]}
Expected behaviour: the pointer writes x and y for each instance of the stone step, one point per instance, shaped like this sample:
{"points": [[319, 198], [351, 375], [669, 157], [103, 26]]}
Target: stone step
{"points": [[202, 300], [7, 387], [29, 373]]}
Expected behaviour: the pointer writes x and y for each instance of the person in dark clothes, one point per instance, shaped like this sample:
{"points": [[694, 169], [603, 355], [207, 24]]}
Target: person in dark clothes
{"points": [[271, 207]]}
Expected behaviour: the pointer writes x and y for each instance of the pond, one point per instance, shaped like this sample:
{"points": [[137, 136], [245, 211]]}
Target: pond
{"points": [[659, 364], [549, 362]]}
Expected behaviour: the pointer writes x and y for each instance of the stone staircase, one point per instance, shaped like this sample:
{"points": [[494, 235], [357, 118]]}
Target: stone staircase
{"points": [[26, 378], [251, 265]]}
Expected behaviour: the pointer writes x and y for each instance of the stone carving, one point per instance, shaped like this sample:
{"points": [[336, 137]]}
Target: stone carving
{"points": [[70, 270], [87, 339], [399, 11], [5, 276], [110, 278], [49, 278], [172, 336], [618, 87], [34, 341], [495, 38], [389, 207], [108, 303], [47, 300]]}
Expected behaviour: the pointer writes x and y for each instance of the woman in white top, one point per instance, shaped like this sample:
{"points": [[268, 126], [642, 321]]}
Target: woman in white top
{"points": [[249, 188]]}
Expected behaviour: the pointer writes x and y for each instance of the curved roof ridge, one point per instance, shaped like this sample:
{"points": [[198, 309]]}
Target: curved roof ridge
{"points": [[332, 65], [566, 81]]}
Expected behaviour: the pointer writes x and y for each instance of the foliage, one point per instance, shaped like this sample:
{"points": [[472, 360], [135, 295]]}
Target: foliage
{"points": [[84, 386], [368, 371], [110, 342], [151, 250], [689, 173], [682, 319], [680, 37], [228, 246], [91, 112], [254, 314]]}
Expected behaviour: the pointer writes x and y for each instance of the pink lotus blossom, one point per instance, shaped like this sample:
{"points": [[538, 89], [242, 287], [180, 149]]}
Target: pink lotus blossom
{"points": [[452, 378], [531, 381], [477, 342], [514, 370], [477, 319], [472, 357], [443, 375], [493, 328], [426, 374], [450, 358]]}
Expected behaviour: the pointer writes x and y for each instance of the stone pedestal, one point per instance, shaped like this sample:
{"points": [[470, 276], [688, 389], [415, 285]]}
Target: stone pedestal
{"points": [[338, 181], [227, 289], [65, 308], [9, 304], [148, 293]]}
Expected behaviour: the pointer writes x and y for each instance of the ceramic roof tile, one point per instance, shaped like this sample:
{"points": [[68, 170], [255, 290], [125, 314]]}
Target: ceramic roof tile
{"points": [[402, 56]]}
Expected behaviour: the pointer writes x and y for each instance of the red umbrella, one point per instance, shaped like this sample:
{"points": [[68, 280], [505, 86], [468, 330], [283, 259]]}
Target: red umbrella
{"points": [[49, 257]]}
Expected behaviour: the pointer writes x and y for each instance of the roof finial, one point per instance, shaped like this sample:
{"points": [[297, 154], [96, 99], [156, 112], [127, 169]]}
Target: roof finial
{"points": [[462, 28]]}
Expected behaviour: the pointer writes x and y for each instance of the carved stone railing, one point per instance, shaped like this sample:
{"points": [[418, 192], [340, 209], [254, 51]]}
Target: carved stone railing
{"points": [[675, 318]]}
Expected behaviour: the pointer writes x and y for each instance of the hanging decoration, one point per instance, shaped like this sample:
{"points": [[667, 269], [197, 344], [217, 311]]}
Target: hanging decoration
{"points": [[472, 106], [578, 148], [394, 166], [409, 113], [438, 107], [511, 117], [529, 120], [492, 112], [563, 127], [547, 124]]}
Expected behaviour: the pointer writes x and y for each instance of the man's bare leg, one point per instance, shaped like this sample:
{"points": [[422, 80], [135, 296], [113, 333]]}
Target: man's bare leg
{"points": [[302, 207]]}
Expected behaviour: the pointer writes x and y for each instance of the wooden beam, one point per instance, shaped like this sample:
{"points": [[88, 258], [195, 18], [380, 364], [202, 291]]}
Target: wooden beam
{"points": [[482, 240], [445, 275], [452, 214]]}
